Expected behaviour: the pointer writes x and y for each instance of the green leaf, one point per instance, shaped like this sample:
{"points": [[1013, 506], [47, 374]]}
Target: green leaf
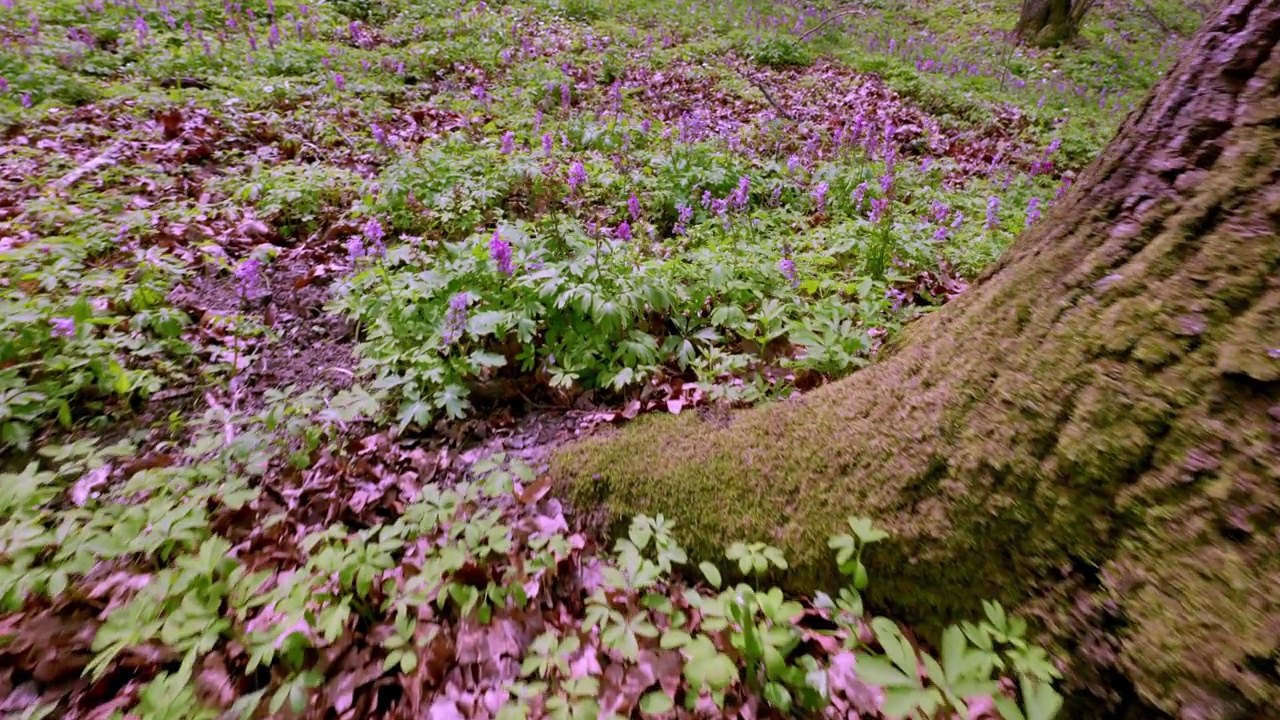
{"points": [[656, 703], [878, 671], [895, 645], [488, 359], [1041, 701], [674, 638], [711, 573]]}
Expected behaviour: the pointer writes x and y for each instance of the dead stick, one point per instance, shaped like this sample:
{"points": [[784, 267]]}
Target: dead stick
{"points": [[74, 176]]}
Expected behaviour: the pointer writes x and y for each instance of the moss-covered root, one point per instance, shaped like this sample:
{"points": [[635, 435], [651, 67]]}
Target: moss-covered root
{"points": [[1090, 433]]}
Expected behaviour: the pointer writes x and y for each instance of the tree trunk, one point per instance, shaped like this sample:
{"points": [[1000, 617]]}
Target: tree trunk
{"points": [[1046, 23], [1089, 434]]}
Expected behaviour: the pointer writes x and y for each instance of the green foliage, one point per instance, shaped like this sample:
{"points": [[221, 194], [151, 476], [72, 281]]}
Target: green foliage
{"points": [[778, 52]]}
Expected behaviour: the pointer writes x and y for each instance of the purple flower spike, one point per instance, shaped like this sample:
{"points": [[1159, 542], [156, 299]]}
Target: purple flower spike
{"points": [[820, 196], [858, 196], [742, 194], [249, 278], [355, 248], [623, 231], [339, 82], [63, 327], [577, 175], [633, 206], [993, 212], [787, 267], [878, 207], [508, 142], [547, 144], [500, 253], [373, 233], [1033, 211], [455, 320]]}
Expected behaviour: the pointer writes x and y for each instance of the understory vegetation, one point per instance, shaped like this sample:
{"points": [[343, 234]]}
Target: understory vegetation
{"points": [[296, 298]]}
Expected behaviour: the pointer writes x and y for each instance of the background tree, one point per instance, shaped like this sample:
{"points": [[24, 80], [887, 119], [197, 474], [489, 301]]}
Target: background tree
{"points": [[1045, 23], [1091, 433]]}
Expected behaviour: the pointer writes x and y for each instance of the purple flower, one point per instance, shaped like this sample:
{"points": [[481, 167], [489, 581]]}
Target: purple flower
{"points": [[742, 194], [547, 144], [820, 196], [500, 253], [577, 175], [776, 196], [878, 207], [886, 182], [644, 126], [355, 248], [787, 267], [63, 327], [1033, 211], [249, 278], [455, 320], [939, 212], [633, 206], [623, 231], [26, 100], [993, 212], [508, 142], [379, 135], [339, 82], [4, 85], [1062, 189], [858, 196], [565, 96], [793, 164], [373, 233]]}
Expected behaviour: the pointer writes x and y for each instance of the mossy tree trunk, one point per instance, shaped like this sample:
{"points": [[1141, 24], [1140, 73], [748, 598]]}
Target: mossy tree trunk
{"points": [[1089, 434], [1046, 23]]}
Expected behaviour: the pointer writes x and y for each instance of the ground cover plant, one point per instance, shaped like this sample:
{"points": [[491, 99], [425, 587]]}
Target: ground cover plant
{"points": [[296, 298]]}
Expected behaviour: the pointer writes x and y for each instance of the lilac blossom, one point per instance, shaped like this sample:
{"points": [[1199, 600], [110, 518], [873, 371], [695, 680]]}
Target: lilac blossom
{"points": [[63, 327], [684, 214], [249, 278], [742, 194], [373, 234], [993, 212], [355, 248], [455, 320], [858, 196], [820, 196], [500, 253], [878, 207], [787, 267], [1033, 211], [577, 175]]}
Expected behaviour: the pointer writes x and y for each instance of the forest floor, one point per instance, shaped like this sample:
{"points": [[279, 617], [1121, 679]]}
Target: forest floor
{"points": [[295, 301]]}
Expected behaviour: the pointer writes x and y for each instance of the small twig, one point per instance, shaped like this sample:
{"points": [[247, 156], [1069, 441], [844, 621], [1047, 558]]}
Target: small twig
{"points": [[74, 176], [824, 23], [765, 92]]}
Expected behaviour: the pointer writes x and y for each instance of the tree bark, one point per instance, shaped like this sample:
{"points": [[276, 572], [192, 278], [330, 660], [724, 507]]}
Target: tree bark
{"points": [[1089, 434], [1046, 23]]}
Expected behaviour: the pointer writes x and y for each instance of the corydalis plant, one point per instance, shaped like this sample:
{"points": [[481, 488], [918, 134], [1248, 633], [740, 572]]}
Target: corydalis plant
{"points": [[500, 253]]}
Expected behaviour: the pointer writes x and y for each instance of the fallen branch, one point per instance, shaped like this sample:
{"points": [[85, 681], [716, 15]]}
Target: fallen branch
{"points": [[765, 92], [92, 166], [824, 23]]}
